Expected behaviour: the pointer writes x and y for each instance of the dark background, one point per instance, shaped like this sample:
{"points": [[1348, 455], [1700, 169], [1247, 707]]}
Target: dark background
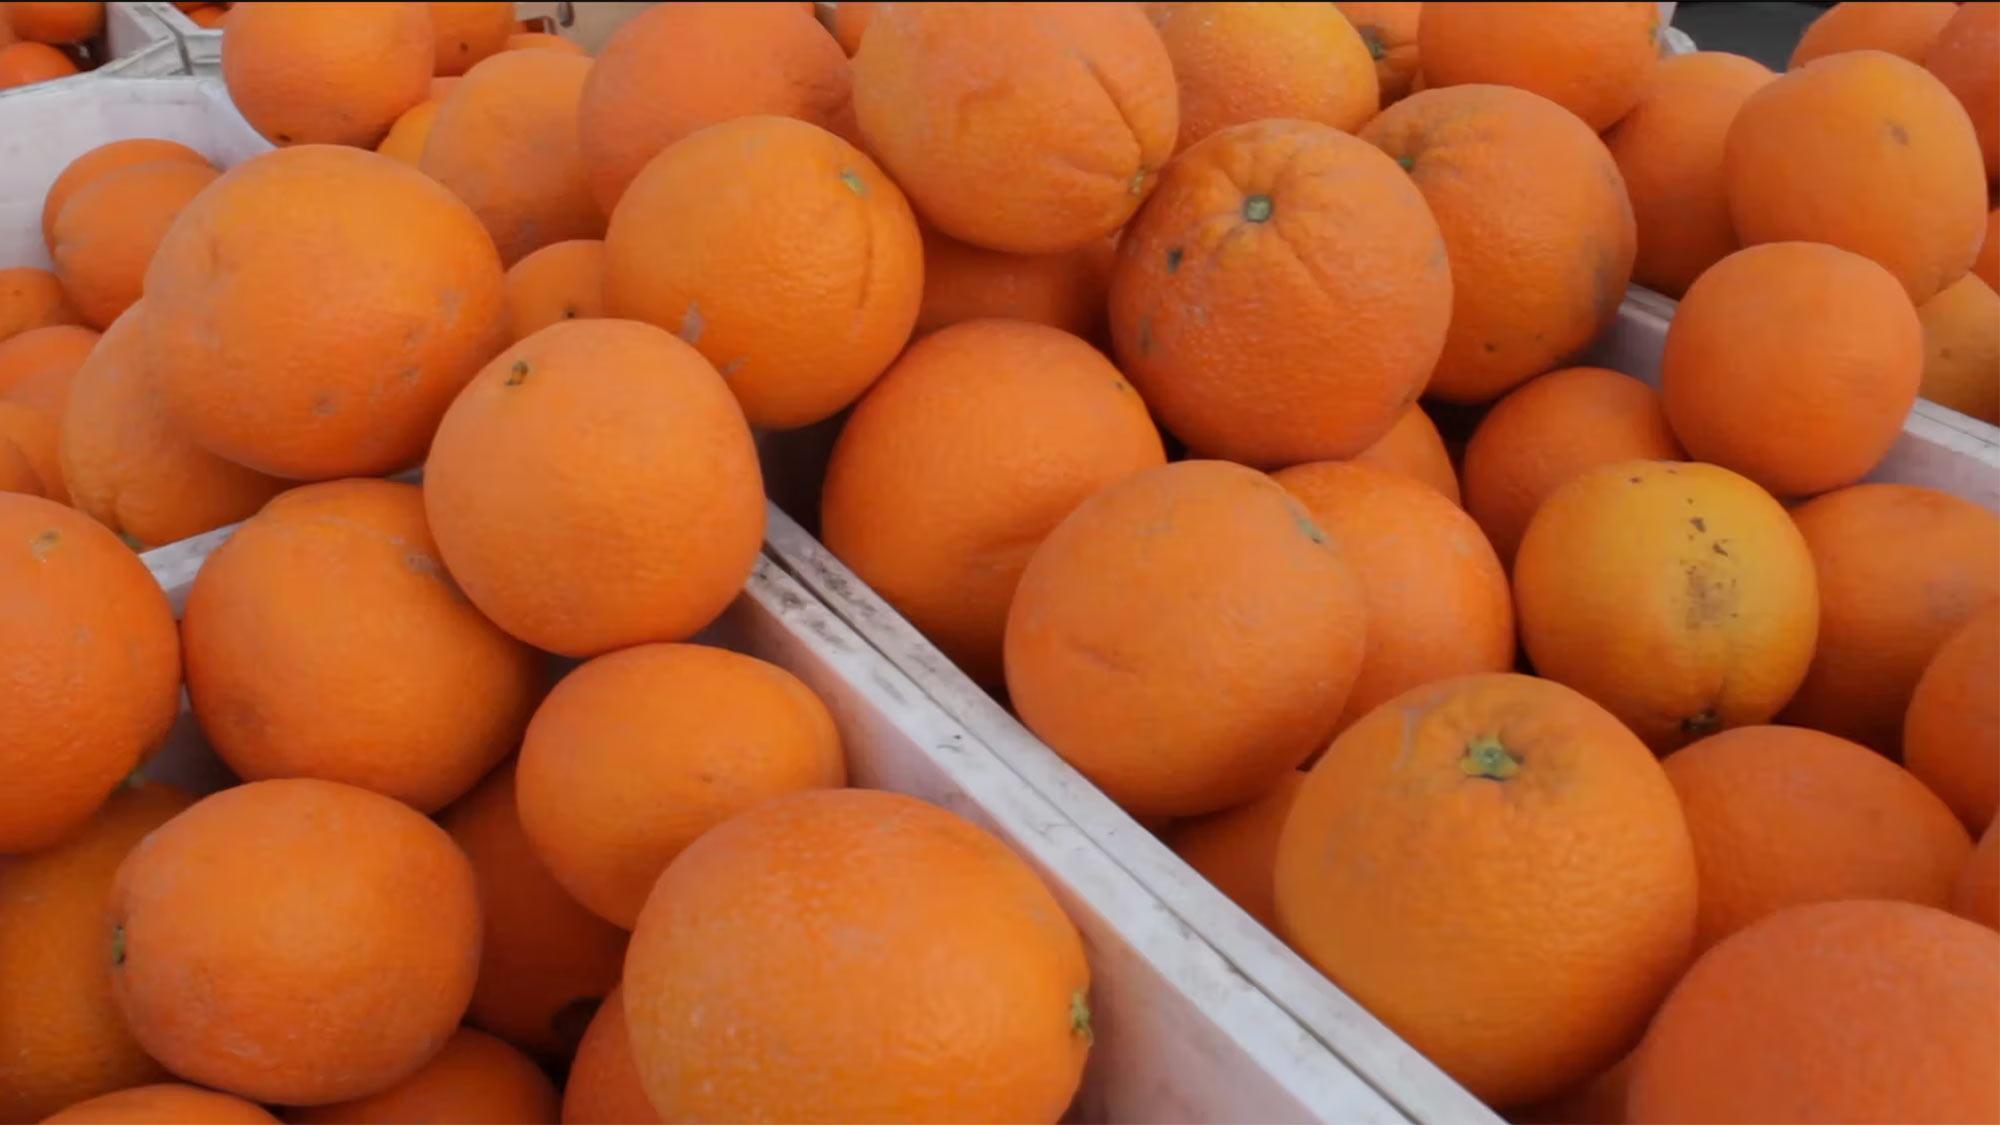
{"points": [[1764, 31]]}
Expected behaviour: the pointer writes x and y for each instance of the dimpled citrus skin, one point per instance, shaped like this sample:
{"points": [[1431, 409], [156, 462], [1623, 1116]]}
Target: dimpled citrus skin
{"points": [[169, 1103], [326, 73], [1235, 849], [1907, 29], [953, 468], [1535, 220], [32, 298], [1030, 128], [1283, 295], [315, 311], [1838, 1011], [779, 251], [62, 1038], [1064, 290], [561, 281], [856, 955], [1962, 348], [1414, 448], [107, 232], [1144, 641], [596, 487], [90, 676], [475, 1079], [1237, 63], [1867, 152], [464, 33], [604, 1086], [1591, 59], [295, 941], [1951, 732], [103, 159], [1962, 58]]}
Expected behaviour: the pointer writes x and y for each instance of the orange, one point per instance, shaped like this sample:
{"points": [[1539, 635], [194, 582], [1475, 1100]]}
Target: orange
{"points": [[1591, 59], [1900, 569], [315, 311], [1388, 29], [1535, 220], [1237, 63], [1976, 895], [1783, 816], [37, 365], [539, 41], [441, 86], [55, 22], [1678, 596], [675, 69], [595, 487], [37, 439], [83, 613], [1907, 29], [275, 900], [16, 473], [102, 160], [545, 961], [1029, 128], [126, 464], [209, 17], [1838, 1011], [475, 1080], [962, 459], [561, 281], [1962, 58], [1283, 295], [411, 132], [636, 754], [1669, 150], [603, 1086], [1962, 348], [826, 930], [1236, 849], [1867, 152], [32, 298], [62, 1038], [1437, 598], [326, 73], [505, 142], [107, 232], [1064, 290], [24, 64], [168, 1103], [1820, 337], [1548, 430], [850, 20], [1414, 448], [1951, 732], [800, 283], [1987, 265], [465, 33], [1430, 867], [1140, 644]]}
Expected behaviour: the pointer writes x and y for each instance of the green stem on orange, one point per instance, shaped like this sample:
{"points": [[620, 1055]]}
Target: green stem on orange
{"points": [[1486, 757]]}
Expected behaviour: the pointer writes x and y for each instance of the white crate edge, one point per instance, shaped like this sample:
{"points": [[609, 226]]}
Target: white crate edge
{"points": [[1181, 1035]]}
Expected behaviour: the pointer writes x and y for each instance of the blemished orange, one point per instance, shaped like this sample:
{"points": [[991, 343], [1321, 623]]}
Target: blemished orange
{"points": [[595, 487], [62, 1038], [545, 961], [958, 463], [37, 365], [604, 1086], [37, 439], [106, 234], [24, 64], [1414, 448], [316, 309], [1535, 220], [168, 1103], [823, 927], [543, 41], [1237, 849], [1669, 150], [32, 298], [1430, 868], [1388, 28], [1783, 816], [1438, 603], [276, 897], [126, 464], [55, 22], [800, 283], [675, 69], [1139, 643], [411, 132], [1962, 59], [636, 754], [561, 281], [1029, 128], [102, 160], [1820, 337], [1864, 151], [474, 1080], [464, 33], [1283, 295], [326, 640], [849, 21], [1907, 29], [1678, 596], [326, 73], [1962, 348], [1548, 430], [1901, 568], [1237, 63], [506, 143], [16, 473], [1066, 290], [1951, 732], [1591, 59], [91, 670], [1837, 1011], [1976, 894]]}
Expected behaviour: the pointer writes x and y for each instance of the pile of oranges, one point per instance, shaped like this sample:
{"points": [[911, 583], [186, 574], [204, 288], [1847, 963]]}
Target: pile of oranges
{"points": [[1203, 378]]}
